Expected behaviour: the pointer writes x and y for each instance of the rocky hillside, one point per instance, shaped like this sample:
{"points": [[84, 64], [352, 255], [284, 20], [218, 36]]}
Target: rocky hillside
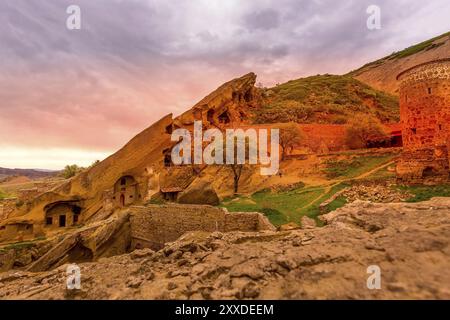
{"points": [[409, 242], [327, 99], [381, 74]]}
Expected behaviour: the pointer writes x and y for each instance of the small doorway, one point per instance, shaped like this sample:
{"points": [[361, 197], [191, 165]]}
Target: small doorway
{"points": [[122, 200], [428, 172], [62, 220]]}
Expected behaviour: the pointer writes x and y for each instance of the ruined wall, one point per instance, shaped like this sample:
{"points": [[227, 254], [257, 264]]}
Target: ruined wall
{"points": [[154, 225], [7, 206], [16, 232], [28, 194], [39, 188], [425, 119], [322, 138]]}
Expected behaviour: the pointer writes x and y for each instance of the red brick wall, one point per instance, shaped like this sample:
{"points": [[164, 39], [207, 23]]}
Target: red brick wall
{"points": [[425, 105], [425, 120], [324, 136]]}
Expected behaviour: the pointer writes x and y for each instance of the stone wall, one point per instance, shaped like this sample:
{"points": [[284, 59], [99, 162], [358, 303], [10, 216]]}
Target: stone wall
{"points": [[154, 225], [39, 188], [7, 206], [425, 119], [322, 138]]}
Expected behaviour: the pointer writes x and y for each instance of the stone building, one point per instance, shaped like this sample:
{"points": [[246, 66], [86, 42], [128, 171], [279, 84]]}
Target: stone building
{"points": [[126, 191], [425, 119], [62, 214]]}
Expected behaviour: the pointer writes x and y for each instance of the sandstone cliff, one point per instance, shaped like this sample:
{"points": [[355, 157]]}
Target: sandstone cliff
{"points": [[142, 159]]}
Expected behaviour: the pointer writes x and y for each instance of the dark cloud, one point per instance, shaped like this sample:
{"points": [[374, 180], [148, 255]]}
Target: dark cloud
{"points": [[135, 61], [262, 20]]}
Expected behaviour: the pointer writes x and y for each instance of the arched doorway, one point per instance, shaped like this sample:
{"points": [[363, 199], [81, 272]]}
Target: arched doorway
{"points": [[125, 191]]}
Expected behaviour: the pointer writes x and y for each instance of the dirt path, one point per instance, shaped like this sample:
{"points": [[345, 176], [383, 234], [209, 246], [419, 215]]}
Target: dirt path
{"points": [[329, 187]]}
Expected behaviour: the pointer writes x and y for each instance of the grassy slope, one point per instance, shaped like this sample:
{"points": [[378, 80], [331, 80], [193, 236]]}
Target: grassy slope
{"points": [[423, 193], [3, 195], [423, 46], [283, 207], [354, 167], [325, 99]]}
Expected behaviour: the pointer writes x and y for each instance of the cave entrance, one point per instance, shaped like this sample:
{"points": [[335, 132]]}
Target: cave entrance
{"points": [[224, 117], [62, 220], [428, 172], [210, 116], [167, 158]]}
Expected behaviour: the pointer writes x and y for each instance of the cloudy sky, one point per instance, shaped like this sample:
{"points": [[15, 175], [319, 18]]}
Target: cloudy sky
{"points": [[74, 96]]}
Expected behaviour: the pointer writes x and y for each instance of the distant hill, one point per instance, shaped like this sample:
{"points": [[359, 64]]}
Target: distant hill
{"points": [[30, 173], [325, 99], [381, 74]]}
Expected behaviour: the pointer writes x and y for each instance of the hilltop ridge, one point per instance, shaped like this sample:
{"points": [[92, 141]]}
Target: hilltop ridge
{"points": [[381, 74]]}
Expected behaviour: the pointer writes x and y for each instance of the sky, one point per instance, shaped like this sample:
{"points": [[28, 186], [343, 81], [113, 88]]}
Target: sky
{"points": [[76, 96]]}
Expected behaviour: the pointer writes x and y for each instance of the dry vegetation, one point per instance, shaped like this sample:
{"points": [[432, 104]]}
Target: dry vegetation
{"points": [[325, 99]]}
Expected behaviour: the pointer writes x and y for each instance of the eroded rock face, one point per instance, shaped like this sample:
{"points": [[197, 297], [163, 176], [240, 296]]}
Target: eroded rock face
{"points": [[409, 242], [102, 239], [231, 103], [141, 164]]}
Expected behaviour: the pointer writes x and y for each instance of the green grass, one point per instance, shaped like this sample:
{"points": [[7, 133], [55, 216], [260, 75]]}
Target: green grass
{"points": [[276, 217], [423, 46], [340, 169], [313, 210], [283, 207], [22, 244], [424, 193], [3, 195], [286, 206], [325, 99], [279, 208], [382, 174], [337, 203]]}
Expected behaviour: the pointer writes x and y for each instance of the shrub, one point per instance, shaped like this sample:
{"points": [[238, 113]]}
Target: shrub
{"points": [[71, 170], [364, 129]]}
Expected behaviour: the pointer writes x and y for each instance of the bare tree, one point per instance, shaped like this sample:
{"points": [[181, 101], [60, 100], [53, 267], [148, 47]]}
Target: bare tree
{"points": [[237, 172], [236, 168]]}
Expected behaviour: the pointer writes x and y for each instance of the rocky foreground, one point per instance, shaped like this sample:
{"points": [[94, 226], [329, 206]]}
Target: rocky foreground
{"points": [[409, 242]]}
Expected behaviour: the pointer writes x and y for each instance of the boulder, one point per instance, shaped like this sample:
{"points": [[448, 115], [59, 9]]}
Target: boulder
{"points": [[289, 226], [308, 223], [199, 192]]}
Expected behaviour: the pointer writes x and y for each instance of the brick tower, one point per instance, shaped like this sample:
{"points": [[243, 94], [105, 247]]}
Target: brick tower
{"points": [[425, 119]]}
